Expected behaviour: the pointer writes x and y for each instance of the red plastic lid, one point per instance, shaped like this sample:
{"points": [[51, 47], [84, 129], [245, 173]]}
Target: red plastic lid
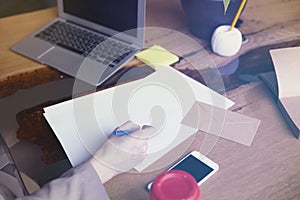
{"points": [[175, 185]]}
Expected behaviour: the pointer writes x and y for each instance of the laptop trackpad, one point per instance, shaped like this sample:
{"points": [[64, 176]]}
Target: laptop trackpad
{"points": [[75, 65], [62, 60]]}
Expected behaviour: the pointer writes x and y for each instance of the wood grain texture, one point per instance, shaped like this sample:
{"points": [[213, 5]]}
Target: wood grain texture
{"points": [[269, 169], [16, 71], [265, 23], [14, 28]]}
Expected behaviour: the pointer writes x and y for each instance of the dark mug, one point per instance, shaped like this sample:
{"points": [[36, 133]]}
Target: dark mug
{"points": [[205, 16]]}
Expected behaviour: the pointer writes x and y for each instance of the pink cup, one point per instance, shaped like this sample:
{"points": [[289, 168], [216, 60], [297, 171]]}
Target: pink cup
{"points": [[175, 185]]}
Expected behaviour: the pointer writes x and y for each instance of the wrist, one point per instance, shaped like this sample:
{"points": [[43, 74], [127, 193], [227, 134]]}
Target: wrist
{"points": [[104, 172]]}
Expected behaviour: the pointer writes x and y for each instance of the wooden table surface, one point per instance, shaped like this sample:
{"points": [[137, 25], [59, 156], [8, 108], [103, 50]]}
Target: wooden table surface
{"points": [[266, 170], [266, 23]]}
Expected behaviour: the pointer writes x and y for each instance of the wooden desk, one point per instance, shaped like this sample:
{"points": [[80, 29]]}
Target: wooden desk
{"points": [[266, 170], [261, 26]]}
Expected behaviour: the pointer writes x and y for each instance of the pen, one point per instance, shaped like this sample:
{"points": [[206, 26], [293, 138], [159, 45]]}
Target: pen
{"points": [[122, 132]]}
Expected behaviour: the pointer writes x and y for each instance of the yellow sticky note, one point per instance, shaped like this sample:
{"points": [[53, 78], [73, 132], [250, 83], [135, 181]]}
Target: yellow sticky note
{"points": [[156, 56]]}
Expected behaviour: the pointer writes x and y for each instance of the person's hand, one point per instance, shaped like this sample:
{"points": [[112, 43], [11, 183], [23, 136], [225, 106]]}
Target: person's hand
{"points": [[121, 153]]}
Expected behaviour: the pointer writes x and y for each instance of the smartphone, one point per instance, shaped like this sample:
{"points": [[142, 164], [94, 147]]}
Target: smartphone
{"points": [[198, 165]]}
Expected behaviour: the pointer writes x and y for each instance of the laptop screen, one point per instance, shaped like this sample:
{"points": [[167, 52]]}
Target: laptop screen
{"points": [[119, 15]]}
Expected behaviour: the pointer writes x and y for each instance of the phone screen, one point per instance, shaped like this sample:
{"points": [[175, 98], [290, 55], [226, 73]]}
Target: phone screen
{"points": [[195, 167]]}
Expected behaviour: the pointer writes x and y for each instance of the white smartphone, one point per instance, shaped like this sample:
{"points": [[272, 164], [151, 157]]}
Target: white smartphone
{"points": [[198, 165]]}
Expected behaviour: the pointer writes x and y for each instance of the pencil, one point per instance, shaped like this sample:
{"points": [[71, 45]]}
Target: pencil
{"points": [[122, 132], [237, 14]]}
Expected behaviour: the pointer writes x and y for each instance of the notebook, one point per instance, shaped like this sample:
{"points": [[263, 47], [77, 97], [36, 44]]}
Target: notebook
{"points": [[89, 40], [285, 84]]}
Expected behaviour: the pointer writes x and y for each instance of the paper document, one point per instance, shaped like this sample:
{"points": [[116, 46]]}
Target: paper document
{"points": [[162, 99], [222, 123], [287, 67]]}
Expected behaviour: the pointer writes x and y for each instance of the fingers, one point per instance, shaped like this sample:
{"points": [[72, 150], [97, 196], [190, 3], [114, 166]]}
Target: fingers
{"points": [[145, 133], [123, 152], [135, 142], [128, 126]]}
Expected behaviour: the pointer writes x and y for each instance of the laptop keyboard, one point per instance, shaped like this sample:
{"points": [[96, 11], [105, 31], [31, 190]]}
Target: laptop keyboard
{"points": [[87, 43]]}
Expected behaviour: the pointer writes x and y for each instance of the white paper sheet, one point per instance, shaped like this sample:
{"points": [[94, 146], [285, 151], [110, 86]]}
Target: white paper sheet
{"points": [[162, 99], [222, 123]]}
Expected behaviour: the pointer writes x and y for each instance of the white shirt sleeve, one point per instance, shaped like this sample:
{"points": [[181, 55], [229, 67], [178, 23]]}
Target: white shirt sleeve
{"points": [[81, 182]]}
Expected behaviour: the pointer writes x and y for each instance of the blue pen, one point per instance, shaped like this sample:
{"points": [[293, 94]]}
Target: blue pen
{"points": [[122, 132]]}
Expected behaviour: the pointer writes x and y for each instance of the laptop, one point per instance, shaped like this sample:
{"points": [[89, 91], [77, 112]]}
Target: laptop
{"points": [[89, 40]]}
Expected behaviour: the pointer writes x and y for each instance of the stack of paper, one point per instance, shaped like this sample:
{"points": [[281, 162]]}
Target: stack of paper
{"points": [[162, 99]]}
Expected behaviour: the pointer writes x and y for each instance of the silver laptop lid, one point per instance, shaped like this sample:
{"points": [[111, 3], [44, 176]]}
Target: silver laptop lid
{"points": [[124, 19]]}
